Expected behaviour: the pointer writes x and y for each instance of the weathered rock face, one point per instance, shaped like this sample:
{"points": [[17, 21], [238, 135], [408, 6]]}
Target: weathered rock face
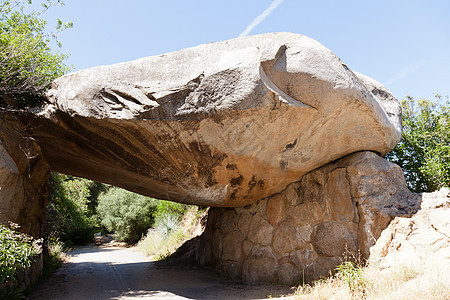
{"points": [[221, 124], [303, 232], [421, 241], [24, 175]]}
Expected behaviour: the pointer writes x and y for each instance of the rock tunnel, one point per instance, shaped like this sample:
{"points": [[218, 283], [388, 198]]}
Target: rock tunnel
{"points": [[273, 131]]}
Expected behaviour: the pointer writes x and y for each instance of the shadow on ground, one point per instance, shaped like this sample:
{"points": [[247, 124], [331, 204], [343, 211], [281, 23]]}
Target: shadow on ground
{"points": [[121, 273]]}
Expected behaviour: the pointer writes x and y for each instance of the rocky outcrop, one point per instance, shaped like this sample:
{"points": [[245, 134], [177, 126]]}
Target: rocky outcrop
{"points": [[24, 175], [303, 232], [226, 124], [420, 241], [221, 124]]}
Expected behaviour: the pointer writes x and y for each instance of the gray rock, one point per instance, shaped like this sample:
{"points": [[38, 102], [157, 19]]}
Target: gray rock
{"points": [[220, 124]]}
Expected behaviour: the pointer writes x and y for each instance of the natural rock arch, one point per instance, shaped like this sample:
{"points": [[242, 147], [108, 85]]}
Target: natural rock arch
{"points": [[230, 124]]}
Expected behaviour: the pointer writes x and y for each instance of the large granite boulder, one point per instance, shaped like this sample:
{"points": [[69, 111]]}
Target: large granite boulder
{"points": [[220, 124]]}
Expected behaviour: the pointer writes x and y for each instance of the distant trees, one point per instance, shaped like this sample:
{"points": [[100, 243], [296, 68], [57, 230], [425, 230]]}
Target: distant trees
{"points": [[70, 215], [127, 214], [27, 63], [424, 151]]}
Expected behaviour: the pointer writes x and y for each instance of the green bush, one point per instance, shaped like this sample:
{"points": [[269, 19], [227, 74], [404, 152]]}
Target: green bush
{"points": [[67, 215], [353, 276], [27, 63], [16, 252], [127, 214], [424, 151]]}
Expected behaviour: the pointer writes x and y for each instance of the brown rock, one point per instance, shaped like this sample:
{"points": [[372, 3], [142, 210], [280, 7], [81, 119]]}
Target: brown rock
{"points": [[306, 213], [260, 230], [24, 174], [379, 188], [233, 269], [323, 266], [288, 274], [203, 253], [275, 209], [259, 265], [286, 239], [244, 222], [333, 239], [304, 257], [305, 231], [339, 200], [228, 221], [232, 246], [291, 195], [247, 247], [217, 245], [312, 188]]}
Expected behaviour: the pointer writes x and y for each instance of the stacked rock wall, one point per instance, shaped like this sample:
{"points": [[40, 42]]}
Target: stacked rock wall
{"points": [[303, 232]]}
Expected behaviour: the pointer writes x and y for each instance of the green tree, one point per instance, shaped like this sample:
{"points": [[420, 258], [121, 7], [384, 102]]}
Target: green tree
{"points": [[27, 63], [127, 214], [68, 217], [424, 151]]}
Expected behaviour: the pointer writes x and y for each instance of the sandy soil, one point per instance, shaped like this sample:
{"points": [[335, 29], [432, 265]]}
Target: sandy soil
{"points": [[113, 272]]}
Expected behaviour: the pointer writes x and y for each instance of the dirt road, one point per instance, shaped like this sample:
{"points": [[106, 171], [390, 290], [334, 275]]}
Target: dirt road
{"points": [[123, 273]]}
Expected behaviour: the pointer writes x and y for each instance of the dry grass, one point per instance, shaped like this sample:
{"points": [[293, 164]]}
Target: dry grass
{"points": [[373, 282]]}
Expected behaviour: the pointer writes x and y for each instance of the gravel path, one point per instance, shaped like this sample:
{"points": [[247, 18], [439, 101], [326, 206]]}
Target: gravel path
{"points": [[123, 273]]}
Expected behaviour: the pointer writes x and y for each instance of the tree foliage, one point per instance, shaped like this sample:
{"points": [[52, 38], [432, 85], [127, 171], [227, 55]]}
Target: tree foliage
{"points": [[68, 216], [424, 151], [27, 63], [127, 214]]}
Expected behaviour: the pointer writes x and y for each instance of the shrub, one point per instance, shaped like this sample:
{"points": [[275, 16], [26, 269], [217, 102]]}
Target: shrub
{"points": [[54, 257], [16, 253], [127, 214], [164, 209], [67, 215], [166, 224], [352, 276], [171, 231], [424, 151]]}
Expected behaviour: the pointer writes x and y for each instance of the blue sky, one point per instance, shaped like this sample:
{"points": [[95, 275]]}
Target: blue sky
{"points": [[404, 44]]}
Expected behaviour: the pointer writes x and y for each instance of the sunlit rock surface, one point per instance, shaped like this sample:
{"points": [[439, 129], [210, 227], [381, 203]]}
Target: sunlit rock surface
{"points": [[220, 124]]}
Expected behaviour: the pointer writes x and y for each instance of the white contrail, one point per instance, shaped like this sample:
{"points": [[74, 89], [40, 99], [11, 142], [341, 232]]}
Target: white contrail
{"points": [[261, 17], [405, 72]]}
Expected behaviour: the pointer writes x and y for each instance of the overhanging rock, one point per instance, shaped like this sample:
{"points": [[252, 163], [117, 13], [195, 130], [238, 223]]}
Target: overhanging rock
{"points": [[220, 124]]}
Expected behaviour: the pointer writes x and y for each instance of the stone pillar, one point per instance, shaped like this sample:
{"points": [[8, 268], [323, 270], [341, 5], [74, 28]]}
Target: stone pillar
{"points": [[303, 232], [24, 174]]}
